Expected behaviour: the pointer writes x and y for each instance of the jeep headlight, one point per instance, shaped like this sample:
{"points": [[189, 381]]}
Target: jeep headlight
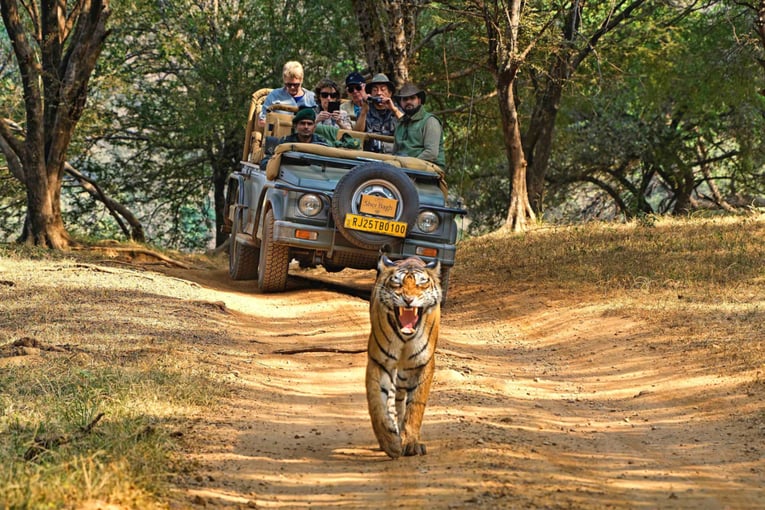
{"points": [[428, 221], [310, 204]]}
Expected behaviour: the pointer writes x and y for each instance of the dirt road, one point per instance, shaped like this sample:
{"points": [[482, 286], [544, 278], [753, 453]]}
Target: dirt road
{"points": [[540, 400]]}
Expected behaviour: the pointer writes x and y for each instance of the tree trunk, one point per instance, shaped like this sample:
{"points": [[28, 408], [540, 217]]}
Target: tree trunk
{"points": [[685, 185], [539, 136], [388, 32], [43, 226], [55, 78], [520, 208], [504, 60]]}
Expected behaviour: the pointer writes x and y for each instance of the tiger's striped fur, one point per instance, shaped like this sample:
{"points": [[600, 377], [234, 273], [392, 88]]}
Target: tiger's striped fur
{"points": [[405, 314]]}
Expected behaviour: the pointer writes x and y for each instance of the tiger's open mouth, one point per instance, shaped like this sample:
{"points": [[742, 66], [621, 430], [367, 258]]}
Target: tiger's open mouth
{"points": [[408, 319]]}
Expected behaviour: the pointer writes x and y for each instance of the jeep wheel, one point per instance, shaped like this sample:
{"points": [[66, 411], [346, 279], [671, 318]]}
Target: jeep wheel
{"points": [[242, 252], [377, 179], [274, 259]]}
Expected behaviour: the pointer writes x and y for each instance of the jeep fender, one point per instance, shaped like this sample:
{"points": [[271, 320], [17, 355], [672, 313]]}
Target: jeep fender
{"points": [[234, 198], [275, 200], [239, 194]]}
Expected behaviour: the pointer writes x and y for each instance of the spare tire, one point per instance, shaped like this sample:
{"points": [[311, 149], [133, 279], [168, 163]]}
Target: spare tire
{"points": [[378, 179]]}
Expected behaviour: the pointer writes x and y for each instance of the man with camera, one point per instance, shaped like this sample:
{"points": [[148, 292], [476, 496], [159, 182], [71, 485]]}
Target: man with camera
{"points": [[379, 114]]}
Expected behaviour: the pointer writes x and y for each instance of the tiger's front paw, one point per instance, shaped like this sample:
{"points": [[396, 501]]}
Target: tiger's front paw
{"points": [[391, 445], [414, 448]]}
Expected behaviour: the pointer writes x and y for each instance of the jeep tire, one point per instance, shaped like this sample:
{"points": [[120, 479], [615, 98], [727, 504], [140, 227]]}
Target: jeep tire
{"points": [[274, 261], [377, 178], [243, 251]]}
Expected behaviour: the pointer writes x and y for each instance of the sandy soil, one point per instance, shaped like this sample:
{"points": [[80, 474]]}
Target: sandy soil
{"points": [[539, 401]]}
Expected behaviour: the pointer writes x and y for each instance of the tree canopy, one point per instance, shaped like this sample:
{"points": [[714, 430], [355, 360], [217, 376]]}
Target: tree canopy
{"points": [[659, 113]]}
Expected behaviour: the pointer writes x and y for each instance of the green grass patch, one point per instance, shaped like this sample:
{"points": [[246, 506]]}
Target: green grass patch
{"points": [[73, 432]]}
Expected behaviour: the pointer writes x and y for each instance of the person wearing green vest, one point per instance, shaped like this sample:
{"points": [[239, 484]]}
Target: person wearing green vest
{"points": [[418, 133]]}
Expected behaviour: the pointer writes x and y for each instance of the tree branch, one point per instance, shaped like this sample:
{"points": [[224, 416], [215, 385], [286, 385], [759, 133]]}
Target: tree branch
{"points": [[12, 147], [117, 210], [433, 33]]}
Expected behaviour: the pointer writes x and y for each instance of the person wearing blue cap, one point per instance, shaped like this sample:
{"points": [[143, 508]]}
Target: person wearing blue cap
{"points": [[355, 87]]}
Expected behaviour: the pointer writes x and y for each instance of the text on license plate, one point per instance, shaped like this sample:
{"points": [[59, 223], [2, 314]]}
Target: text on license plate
{"points": [[376, 225]]}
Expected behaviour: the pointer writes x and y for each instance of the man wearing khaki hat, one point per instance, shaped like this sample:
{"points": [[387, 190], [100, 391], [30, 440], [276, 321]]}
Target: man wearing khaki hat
{"points": [[418, 133]]}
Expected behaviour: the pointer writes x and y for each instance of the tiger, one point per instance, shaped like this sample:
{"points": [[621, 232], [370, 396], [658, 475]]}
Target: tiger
{"points": [[405, 315]]}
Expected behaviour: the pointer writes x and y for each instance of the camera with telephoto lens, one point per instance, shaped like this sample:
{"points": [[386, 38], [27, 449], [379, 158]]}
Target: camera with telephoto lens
{"points": [[375, 100]]}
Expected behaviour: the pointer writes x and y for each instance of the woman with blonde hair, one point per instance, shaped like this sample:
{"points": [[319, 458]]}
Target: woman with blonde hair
{"points": [[292, 93]]}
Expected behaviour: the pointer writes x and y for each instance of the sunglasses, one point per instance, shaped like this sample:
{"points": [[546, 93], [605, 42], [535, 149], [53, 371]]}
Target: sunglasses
{"points": [[354, 88], [292, 85], [333, 95]]}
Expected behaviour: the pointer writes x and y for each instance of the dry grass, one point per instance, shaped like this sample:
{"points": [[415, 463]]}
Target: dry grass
{"points": [[93, 394], [704, 279], [708, 253]]}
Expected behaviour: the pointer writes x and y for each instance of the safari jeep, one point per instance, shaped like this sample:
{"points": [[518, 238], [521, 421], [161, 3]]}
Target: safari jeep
{"points": [[330, 206]]}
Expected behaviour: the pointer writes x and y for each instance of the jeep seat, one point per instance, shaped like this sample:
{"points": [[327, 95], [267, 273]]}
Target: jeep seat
{"points": [[272, 168]]}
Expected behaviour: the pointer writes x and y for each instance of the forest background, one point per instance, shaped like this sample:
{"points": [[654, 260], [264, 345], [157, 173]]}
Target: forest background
{"points": [[565, 111]]}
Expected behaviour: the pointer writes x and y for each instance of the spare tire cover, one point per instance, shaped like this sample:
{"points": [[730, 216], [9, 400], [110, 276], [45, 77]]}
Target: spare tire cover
{"points": [[378, 179]]}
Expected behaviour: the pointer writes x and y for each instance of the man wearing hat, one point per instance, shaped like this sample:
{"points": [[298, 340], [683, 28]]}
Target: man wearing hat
{"points": [[418, 133], [355, 88], [303, 126], [381, 116]]}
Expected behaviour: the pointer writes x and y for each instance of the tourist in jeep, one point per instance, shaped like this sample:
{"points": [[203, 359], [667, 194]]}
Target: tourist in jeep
{"points": [[379, 113], [418, 133], [303, 127], [355, 88], [292, 93], [329, 112]]}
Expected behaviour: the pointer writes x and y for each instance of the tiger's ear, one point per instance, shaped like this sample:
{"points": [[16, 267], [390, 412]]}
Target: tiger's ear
{"points": [[385, 262], [434, 265]]}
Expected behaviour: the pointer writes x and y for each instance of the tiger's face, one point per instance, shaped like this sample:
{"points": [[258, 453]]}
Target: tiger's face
{"points": [[408, 289]]}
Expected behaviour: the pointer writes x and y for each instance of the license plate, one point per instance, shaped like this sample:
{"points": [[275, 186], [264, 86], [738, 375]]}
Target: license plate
{"points": [[378, 206], [376, 225]]}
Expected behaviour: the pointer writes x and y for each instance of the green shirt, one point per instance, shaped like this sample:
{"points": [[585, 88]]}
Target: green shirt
{"points": [[420, 136]]}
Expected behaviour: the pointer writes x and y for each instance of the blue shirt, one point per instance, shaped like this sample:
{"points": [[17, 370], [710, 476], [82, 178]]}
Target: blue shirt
{"points": [[281, 96]]}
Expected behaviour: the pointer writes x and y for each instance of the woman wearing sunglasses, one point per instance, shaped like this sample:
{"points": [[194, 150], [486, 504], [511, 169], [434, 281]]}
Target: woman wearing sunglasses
{"points": [[329, 112]]}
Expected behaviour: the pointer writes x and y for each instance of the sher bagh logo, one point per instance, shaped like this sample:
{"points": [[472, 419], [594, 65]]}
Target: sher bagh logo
{"points": [[379, 206]]}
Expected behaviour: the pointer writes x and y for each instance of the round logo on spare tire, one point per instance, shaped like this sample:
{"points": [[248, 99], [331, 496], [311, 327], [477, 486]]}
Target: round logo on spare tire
{"points": [[379, 180]]}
